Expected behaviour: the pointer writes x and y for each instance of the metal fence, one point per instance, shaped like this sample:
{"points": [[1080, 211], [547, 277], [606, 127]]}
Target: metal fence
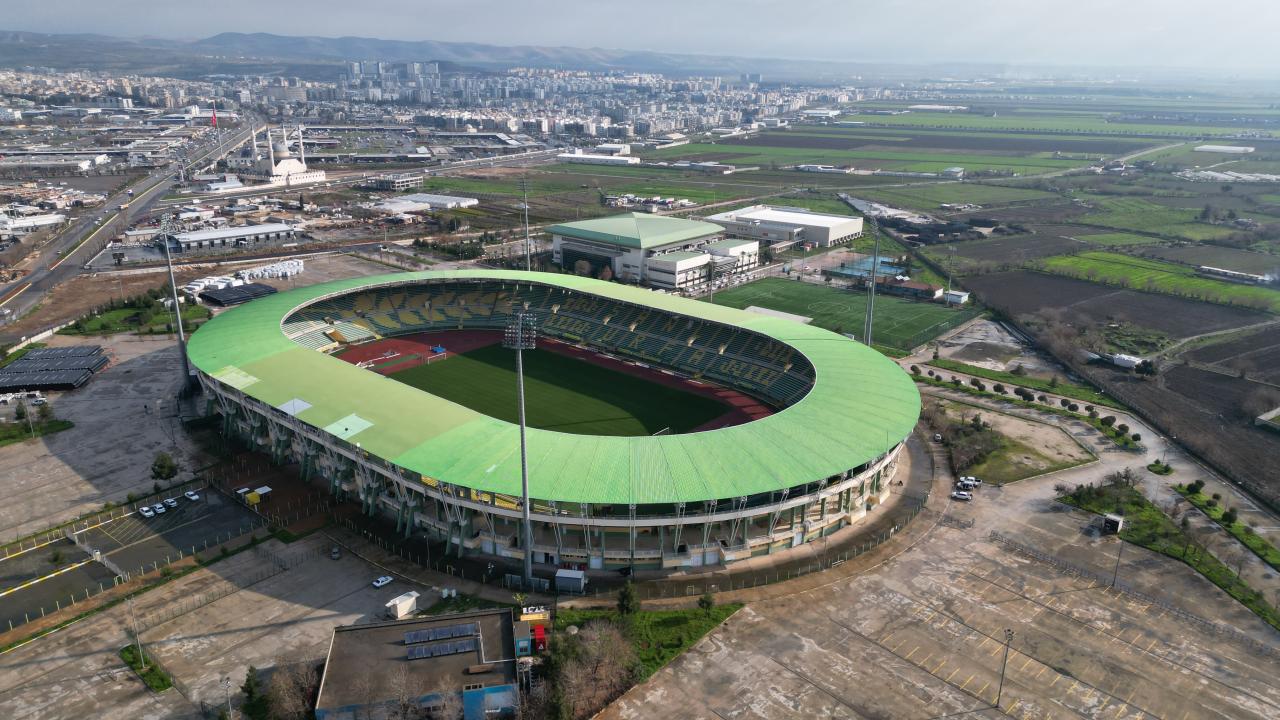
{"points": [[1099, 580]]}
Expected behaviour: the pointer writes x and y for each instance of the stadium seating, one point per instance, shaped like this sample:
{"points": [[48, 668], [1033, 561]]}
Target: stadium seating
{"points": [[721, 353]]}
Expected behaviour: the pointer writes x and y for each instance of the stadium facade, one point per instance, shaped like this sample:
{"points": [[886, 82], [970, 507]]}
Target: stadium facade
{"points": [[821, 462]]}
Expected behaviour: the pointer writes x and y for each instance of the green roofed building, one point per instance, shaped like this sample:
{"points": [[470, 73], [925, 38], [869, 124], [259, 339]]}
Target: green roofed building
{"points": [[832, 420], [626, 246]]}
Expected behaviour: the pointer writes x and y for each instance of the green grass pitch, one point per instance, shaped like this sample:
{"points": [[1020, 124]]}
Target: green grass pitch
{"points": [[563, 394], [899, 324]]}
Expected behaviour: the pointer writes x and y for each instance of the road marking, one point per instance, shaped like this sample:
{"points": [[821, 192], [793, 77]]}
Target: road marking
{"points": [[940, 664], [1024, 665], [984, 687], [1056, 678], [931, 614], [15, 294], [966, 682], [1153, 644], [953, 674], [913, 652], [900, 644], [996, 649], [1105, 701], [1042, 669], [926, 659], [1014, 705], [887, 638]]}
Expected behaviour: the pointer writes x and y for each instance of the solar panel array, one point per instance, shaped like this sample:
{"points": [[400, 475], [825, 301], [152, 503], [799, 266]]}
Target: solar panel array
{"points": [[238, 294], [452, 647], [447, 632], [53, 368]]}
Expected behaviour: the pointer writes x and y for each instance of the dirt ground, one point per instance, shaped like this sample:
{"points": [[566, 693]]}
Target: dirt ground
{"points": [[1037, 448], [988, 344], [81, 294]]}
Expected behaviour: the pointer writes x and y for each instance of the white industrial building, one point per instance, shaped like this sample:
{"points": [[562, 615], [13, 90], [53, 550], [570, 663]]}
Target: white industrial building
{"points": [[1225, 149], [780, 226], [663, 252], [422, 202], [230, 237], [597, 159]]}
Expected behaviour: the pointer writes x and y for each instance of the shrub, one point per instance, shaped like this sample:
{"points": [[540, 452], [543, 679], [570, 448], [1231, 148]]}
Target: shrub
{"points": [[1217, 496], [1229, 517], [915, 369], [1137, 437], [1073, 407], [1109, 420], [1064, 402], [1124, 429]]}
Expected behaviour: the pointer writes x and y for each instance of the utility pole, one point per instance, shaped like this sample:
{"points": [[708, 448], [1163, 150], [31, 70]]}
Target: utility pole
{"points": [[137, 639], [528, 252], [1116, 573], [1008, 639], [226, 693], [871, 285], [521, 335], [166, 232]]}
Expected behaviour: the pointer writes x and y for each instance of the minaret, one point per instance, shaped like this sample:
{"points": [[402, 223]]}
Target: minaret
{"points": [[302, 149]]}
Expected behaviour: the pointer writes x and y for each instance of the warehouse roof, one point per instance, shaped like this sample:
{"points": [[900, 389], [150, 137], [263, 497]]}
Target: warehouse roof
{"points": [[637, 230], [235, 231], [785, 216], [861, 405]]}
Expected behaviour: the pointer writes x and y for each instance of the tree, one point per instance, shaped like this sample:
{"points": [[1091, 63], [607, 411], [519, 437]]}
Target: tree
{"points": [[1229, 517], [1137, 437], [164, 467], [256, 705], [707, 603], [628, 604], [20, 412], [289, 691], [44, 413]]}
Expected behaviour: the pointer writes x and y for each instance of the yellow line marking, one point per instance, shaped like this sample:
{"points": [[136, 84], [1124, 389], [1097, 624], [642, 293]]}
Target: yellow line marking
{"points": [[926, 659], [940, 664], [886, 639], [1129, 700], [931, 614], [1014, 705], [1153, 644], [913, 652], [984, 687], [1042, 669], [1074, 683], [996, 649], [900, 644], [966, 682], [953, 674], [1105, 701], [1024, 665], [985, 640], [1056, 678]]}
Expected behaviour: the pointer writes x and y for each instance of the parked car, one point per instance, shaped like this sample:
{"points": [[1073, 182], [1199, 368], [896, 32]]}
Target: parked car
{"points": [[146, 512], [159, 508], [170, 502], [937, 437], [336, 552], [382, 581], [965, 485], [192, 495], [962, 495]]}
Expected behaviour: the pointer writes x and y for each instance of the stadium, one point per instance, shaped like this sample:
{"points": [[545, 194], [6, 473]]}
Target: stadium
{"points": [[663, 432]]}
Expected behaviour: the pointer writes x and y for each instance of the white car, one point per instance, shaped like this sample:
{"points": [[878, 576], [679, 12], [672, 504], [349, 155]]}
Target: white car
{"points": [[170, 502], [382, 581], [192, 495], [159, 508], [962, 495], [146, 512]]}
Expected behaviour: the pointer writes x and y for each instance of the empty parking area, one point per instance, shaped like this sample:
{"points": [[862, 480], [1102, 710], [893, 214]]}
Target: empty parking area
{"points": [[924, 637]]}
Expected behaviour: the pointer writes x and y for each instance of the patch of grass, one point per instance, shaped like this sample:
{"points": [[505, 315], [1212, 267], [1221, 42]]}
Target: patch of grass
{"points": [[1160, 468], [1247, 537], [1063, 388], [1006, 465], [463, 603], [562, 393], [1146, 525], [1161, 277], [17, 432], [899, 324], [152, 676], [1119, 239], [122, 320], [17, 354], [658, 636]]}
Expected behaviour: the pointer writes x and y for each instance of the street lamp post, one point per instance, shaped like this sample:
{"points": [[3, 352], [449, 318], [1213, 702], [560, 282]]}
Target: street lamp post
{"points": [[1008, 640], [226, 693], [521, 334], [166, 231], [1116, 573]]}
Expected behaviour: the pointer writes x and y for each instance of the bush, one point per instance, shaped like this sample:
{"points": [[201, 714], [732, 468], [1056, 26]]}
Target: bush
{"points": [[1109, 420], [1229, 517], [628, 603], [163, 467], [1137, 437]]}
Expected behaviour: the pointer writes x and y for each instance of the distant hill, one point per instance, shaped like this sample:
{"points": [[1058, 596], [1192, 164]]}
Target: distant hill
{"points": [[316, 57]]}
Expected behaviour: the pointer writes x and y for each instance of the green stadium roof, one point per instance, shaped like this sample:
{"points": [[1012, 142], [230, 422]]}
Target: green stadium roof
{"points": [[860, 406], [637, 230]]}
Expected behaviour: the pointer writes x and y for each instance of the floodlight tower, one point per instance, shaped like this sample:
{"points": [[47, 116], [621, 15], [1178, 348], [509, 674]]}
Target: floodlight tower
{"points": [[871, 286], [522, 334], [166, 233], [528, 250]]}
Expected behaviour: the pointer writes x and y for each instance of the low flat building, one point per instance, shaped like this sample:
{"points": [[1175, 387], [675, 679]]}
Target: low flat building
{"points": [[375, 669], [781, 226], [598, 159], [907, 288], [421, 202], [397, 182], [230, 237], [625, 244]]}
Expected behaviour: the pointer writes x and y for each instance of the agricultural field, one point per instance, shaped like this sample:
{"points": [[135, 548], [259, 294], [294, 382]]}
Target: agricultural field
{"points": [[978, 255], [1220, 257], [1257, 354], [1146, 216], [1029, 120], [1162, 277], [562, 393], [1082, 303], [930, 197], [1122, 239], [899, 324]]}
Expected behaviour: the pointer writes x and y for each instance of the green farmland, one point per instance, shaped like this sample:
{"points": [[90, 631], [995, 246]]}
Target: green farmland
{"points": [[1162, 277], [562, 393], [1095, 123], [761, 153], [899, 324], [929, 197], [1120, 239], [1148, 216]]}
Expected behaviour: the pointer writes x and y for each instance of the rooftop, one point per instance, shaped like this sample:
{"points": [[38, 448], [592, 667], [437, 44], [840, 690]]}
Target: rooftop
{"points": [[637, 230], [363, 659], [786, 216], [234, 231]]}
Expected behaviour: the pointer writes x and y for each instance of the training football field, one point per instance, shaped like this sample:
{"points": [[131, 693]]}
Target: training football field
{"points": [[899, 324], [562, 393]]}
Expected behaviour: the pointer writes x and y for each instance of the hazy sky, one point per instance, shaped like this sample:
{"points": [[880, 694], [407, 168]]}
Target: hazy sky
{"points": [[1160, 33]]}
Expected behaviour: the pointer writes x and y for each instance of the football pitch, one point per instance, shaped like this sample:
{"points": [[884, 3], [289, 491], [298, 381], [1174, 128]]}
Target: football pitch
{"points": [[899, 324], [563, 394]]}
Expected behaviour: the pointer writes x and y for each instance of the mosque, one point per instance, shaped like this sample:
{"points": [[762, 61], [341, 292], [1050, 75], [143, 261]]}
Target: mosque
{"points": [[278, 167]]}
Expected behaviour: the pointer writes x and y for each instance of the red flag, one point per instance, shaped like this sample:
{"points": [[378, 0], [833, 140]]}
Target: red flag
{"points": [[215, 116]]}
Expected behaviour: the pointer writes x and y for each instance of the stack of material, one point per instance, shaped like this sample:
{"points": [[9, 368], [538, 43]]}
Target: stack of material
{"points": [[53, 368]]}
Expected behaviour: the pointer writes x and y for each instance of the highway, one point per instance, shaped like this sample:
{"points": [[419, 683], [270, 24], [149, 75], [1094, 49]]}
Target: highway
{"points": [[62, 258]]}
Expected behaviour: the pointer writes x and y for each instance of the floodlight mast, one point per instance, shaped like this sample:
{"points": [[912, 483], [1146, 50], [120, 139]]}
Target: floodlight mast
{"points": [[166, 234], [521, 334], [871, 284]]}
